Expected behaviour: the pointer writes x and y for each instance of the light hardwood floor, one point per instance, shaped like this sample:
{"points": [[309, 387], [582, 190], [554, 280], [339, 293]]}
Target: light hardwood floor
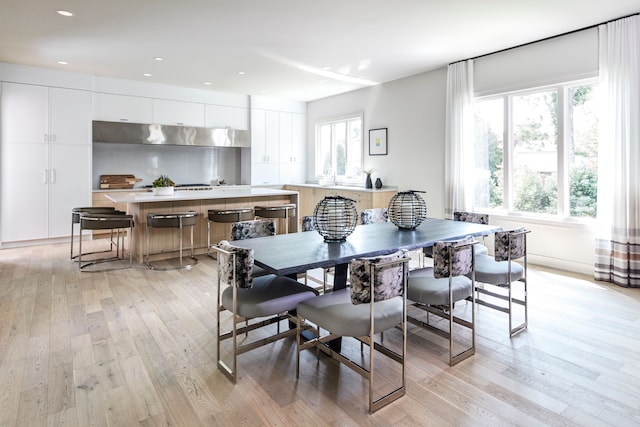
{"points": [[137, 347]]}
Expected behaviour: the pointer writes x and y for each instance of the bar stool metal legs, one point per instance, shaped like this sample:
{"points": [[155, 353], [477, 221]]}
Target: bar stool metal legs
{"points": [[115, 222], [285, 211], [226, 216], [177, 220]]}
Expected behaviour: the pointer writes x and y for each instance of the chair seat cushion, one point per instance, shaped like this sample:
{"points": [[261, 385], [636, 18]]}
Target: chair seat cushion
{"points": [[269, 295], [488, 270], [479, 249], [426, 289], [334, 312]]}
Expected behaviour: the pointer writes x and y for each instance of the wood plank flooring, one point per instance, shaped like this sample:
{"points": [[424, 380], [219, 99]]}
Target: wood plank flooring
{"points": [[137, 347]]}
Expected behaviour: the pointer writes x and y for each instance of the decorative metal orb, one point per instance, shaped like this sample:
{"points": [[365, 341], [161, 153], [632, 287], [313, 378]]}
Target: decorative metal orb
{"points": [[407, 209], [335, 218]]}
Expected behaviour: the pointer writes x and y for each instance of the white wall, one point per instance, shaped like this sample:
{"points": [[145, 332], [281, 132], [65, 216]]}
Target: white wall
{"points": [[413, 110]]}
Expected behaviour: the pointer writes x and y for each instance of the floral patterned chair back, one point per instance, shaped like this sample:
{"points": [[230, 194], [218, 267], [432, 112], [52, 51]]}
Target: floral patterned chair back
{"points": [[307, 223], [388, 280], [510, 244], [478, 218], [235, 265], [254, 228], [371, 216], [453, 258]]}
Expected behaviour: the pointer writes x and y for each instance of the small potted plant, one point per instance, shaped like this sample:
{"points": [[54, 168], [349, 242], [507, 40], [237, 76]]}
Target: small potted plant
{"points": [[163, 186]]}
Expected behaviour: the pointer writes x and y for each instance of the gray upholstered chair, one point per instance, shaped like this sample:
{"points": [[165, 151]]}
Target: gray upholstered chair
{"points": [[376, 302], [256, 301], [251, 229], [436, 289], [502, 271], [373, 215]]}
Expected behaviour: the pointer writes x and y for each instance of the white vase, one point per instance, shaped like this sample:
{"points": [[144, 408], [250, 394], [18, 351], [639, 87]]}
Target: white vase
{"points": [[163, 191]]}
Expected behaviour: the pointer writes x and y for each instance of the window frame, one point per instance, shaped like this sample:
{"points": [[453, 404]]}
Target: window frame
{"points": [[334, 178], [563, 166]]}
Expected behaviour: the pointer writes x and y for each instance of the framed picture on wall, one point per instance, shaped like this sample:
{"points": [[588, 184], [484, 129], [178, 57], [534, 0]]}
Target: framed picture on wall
{"points": [[378, 142]]}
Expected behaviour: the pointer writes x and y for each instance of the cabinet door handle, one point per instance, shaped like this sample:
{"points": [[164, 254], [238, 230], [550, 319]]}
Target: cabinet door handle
{"points": [[44, 176], [52, 176]]}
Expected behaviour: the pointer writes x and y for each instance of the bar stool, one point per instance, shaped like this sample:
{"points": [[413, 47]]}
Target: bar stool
{"points": [[285, 211], [75, 219], [114, 221], [177, 220], [226, 216]]}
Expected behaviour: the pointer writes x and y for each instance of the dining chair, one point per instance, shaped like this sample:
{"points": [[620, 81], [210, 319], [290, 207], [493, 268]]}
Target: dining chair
{"points": [[502, 271], [435, 290], [375, 302], [256, 301], [251, 229]]}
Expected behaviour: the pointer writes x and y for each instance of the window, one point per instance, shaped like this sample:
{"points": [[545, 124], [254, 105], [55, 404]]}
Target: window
{"points": [[536, 151], [339, 149]]}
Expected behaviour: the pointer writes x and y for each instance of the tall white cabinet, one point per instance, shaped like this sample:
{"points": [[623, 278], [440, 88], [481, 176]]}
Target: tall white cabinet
{"points": [[278, 147], [46, 158]]}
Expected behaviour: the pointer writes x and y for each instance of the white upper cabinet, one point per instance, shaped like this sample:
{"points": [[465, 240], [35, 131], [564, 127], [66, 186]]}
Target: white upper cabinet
{"points": [[122, 108], [36, 114], [167, 112], [69, 116], [222, 116], [25, 113]]}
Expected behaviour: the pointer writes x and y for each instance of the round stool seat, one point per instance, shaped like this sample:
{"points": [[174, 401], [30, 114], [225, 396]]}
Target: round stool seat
{"points": [[280, 211], [284, 211], [230, 215], [172, 220]]}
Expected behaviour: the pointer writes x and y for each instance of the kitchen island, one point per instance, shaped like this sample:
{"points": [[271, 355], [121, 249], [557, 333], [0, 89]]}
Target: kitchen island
{"points": [[141, 203]]}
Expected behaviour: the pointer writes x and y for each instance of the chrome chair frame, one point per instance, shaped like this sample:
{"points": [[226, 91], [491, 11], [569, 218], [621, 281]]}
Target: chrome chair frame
{"points": [[447, 311], [321, 342], [231, 372], [511, 300]]}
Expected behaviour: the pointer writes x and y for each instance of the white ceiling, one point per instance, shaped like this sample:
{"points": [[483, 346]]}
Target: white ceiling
{"points": [[292, 49]]}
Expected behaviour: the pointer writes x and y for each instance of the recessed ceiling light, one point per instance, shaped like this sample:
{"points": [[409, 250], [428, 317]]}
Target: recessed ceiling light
{"points": [[157, 58], [63, 62], [147, 75], [64, 12], [206, 83], [241, 73]]}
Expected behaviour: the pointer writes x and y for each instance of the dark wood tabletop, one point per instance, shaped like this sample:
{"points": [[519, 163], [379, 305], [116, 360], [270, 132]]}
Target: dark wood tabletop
{"points": [[288, 254]]}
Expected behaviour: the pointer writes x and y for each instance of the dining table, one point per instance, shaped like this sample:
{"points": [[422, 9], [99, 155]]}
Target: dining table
{"points": [[293, 253]]}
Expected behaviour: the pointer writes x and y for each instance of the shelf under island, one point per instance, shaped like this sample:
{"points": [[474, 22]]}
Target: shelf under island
{"points": [[164, 242]]}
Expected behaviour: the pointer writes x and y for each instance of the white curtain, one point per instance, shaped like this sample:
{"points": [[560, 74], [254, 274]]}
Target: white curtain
{"points": [[618, 240], [459, 138]]}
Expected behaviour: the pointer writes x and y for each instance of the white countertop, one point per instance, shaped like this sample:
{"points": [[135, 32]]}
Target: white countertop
{"points": [[345, 187], [222, 193]]}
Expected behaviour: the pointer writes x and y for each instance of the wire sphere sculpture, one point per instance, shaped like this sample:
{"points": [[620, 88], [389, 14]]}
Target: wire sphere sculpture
{"points": [[335, 217], [407, 209]]}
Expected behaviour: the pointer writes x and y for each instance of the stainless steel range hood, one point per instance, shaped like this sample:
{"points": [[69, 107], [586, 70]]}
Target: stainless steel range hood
{"points": [[152, 134]]}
